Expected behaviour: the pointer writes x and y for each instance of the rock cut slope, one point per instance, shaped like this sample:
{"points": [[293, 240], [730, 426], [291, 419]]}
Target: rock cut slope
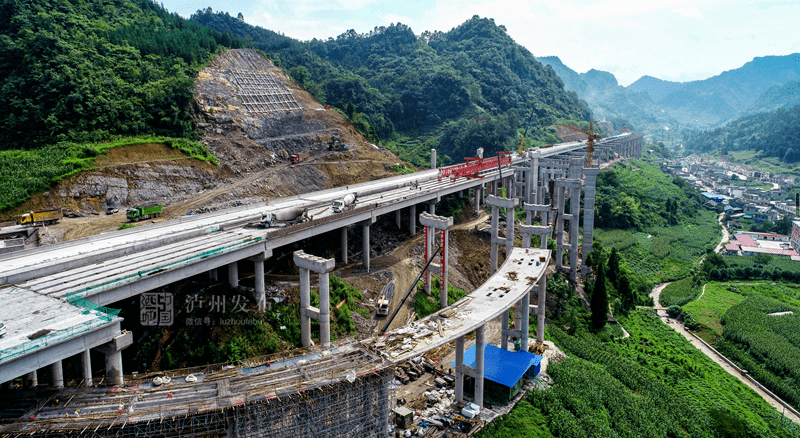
{"points": [[254, 118]]}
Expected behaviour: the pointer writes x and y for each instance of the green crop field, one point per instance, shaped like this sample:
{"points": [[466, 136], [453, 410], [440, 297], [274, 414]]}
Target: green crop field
{"points": [[652, 384]]}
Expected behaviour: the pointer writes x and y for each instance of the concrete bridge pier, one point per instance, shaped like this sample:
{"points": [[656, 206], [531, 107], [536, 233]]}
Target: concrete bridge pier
{"points": [[365, 243], [412, 220], [478, 192], [590, 182], [57, 375], [476, 373], [531, 211], [31, 379], [113, 352], [308, 263], [233, 274], [540, 310], [397, 218], [212, 274], [497, 204], [261, 292], [85, 362], [432, 224], [432, 207]]}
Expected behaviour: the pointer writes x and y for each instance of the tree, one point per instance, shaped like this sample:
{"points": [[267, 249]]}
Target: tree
{"points": [[626, 292], [350, 110], [613, 268], [599, 299]]}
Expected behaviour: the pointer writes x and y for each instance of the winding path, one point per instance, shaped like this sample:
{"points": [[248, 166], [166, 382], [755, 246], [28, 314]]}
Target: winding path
{"points": [[714, 354]]}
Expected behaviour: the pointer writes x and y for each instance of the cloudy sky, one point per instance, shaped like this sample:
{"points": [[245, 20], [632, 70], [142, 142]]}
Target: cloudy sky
{"points": [[678, 40]]}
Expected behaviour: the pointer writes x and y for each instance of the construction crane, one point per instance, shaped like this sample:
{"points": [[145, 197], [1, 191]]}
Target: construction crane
{"points": [[519, 152], [589, 141]]}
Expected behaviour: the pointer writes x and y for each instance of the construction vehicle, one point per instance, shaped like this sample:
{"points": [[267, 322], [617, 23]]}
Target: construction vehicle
{"points": [[335, 144], [345, 203], [384, 300], [589, 141], [41, 217], [286, 217], [139, 212], [296, 158]]}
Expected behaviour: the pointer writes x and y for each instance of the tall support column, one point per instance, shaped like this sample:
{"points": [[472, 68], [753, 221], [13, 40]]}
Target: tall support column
{"points": [[497, 204], [305, 303], [324, 310], [480, 347], [233, 274], [212, 275], [114, 367], [57, 375], [86, 367], [397, 218], [32, 379], [478, 191], [432, 207], [504, 330], [343, 233], [261, 291], [525, 323], [412, 220], [433, 158], [459, 368], [560, 201], [308, 263], [432, 224], [365, 244], [588, 215], [540, 310]]}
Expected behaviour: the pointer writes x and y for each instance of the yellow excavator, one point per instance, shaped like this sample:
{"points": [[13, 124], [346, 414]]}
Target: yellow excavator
{"points": [[589, 141]]}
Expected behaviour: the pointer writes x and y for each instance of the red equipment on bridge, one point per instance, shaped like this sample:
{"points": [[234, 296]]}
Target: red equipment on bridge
{"points": [[473, 166]]}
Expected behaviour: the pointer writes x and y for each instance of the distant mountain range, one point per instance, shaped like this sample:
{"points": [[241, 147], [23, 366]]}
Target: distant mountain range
{"points": [[761, 85]]}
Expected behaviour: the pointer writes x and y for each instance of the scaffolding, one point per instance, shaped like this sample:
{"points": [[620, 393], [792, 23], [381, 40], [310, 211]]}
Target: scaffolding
{"points": [[260, 93], [331, 409]]}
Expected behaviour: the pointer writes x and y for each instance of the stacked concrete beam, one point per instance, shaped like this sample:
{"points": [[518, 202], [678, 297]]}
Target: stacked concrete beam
{"points": [[308, 263], [496, 204], [434, 223]]}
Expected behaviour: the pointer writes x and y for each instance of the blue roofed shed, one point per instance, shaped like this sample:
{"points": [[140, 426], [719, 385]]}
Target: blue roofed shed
{"points": [[503, 372]]}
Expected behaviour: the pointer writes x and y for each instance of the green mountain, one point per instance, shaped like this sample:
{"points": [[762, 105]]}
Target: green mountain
{"points": [[786, 96], [710, 102], [471, 86], [612, 102], [85, 70], [772, 134]]}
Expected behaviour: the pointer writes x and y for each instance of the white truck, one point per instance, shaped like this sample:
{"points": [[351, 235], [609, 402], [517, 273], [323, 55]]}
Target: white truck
{"points": [[285, 217], [384, 300], [345, 203]]}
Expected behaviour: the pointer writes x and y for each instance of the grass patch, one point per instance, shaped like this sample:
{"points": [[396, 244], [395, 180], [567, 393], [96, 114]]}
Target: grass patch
{"points": [[27, 172], [679, 293], [425, 304], [708, 310]]}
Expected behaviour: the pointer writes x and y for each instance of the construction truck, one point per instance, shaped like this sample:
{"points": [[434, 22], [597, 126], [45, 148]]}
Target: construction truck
{"points": [[384, 300], [39, 218], [345, 203], [286, 217], [140, 212], [296, 158], [335, 144]]}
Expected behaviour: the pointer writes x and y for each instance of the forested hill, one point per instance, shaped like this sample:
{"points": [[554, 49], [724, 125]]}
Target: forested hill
{"points": [[472, 85], [86, 70], [773, 134]]}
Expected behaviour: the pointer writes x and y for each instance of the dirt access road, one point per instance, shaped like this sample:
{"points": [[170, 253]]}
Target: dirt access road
{"points": [[714, 355]]}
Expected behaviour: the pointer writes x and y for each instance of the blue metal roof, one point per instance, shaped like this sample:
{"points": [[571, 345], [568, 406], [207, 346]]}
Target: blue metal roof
{"points": [[502, 366]]}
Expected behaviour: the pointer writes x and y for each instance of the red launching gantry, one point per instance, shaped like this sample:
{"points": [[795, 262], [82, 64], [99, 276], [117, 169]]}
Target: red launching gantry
{"points": [[473, 166]]}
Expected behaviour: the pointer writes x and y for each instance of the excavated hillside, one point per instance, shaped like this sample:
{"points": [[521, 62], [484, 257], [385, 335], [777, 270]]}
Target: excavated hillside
{"points": [[254, 118]]}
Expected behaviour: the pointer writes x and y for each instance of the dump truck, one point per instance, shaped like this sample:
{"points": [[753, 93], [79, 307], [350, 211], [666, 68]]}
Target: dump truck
{"points": [[139, 212], [384, 300], [296, 158], [347, 202], [39, 218], [285, 217]]}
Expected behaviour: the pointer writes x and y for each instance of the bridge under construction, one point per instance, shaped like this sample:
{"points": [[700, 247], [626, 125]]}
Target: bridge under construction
{"points": [[341, 390]]}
